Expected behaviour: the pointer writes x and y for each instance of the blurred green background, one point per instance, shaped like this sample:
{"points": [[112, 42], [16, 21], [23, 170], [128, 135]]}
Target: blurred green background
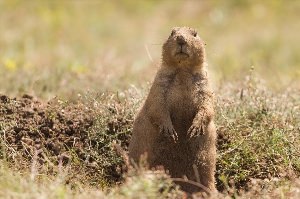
{"points": [[61, 48]]}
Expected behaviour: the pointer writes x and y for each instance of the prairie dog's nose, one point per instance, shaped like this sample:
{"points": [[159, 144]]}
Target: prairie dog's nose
{"points": [[180, 40]]}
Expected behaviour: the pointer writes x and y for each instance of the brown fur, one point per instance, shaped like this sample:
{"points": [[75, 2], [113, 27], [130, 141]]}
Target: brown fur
{"points": [[175, 126]]}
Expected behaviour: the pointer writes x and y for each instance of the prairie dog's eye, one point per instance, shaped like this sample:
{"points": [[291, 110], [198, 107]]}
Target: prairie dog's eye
{"points": [[194, 34], [173, 32]]}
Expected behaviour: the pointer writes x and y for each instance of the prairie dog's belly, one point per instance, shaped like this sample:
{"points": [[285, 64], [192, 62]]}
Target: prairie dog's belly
{"points": [[182, 108]]}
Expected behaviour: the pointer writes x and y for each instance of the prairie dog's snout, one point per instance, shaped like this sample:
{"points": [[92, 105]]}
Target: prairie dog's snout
{"points": [[180, 40]]}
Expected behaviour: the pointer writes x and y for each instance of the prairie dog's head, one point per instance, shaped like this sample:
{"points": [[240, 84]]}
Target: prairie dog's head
{"points": [[183, 48]]}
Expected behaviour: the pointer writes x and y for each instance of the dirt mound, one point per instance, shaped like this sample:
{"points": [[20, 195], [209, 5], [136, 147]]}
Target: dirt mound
{"points": [[32, 126], [51, 132], [78, 136]]}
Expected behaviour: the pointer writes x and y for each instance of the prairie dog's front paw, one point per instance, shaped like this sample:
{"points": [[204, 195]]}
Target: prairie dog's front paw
{"points": [[195, 131], [170, 132]]}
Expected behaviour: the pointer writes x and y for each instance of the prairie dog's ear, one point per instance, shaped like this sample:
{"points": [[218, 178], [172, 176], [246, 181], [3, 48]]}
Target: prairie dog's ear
{"points": [[173, 32], [194, 32]]}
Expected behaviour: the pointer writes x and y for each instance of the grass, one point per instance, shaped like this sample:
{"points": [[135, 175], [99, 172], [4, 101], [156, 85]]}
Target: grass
{"points": [[97, 59], [139, 183], [258, 135]]}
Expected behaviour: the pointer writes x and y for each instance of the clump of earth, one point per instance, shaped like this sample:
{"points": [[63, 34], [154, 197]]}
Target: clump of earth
{"points": [[32, 126], [56, 133]]}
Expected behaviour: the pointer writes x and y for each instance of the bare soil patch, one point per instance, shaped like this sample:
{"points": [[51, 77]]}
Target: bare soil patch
{"points": [[49, 134], [32, 126]]}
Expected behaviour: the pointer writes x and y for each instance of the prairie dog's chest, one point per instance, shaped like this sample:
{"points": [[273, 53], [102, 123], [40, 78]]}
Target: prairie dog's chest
{"points": [[181, 94]]}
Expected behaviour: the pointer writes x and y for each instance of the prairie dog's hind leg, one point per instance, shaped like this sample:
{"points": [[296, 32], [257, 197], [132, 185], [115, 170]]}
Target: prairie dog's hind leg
{"points": [[141, 143]]}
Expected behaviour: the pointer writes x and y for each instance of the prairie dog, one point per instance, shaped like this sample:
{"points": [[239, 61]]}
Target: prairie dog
{"points": [[175, 127]]}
